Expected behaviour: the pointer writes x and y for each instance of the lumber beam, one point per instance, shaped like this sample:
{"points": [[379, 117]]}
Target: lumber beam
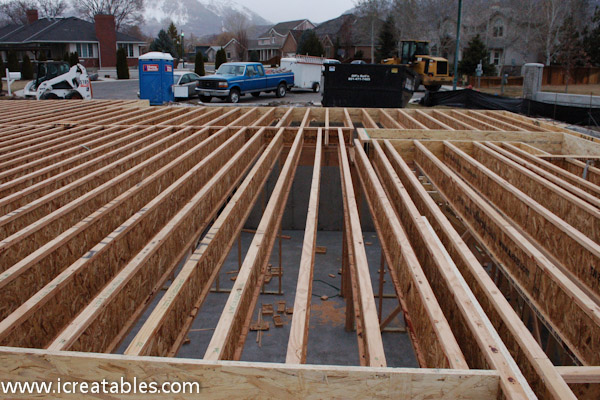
{"points": [[409, 122], [367, 310], [27, 191], [532, 126], [113, 312], [525, 350], [579, 254], [433, 332], [498, 123], [470, 325], [576, 212], [475, 122], [388, 121], [229, 336], [31, 273], [429, 121], [565, 308], [107, 258], [449, 120], [578, 168], [298, 339], [252, 380], [165, 329], [553, 173]]}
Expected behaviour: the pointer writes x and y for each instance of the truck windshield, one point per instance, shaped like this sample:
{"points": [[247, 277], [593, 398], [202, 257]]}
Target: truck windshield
{"points": [[231, 70]]}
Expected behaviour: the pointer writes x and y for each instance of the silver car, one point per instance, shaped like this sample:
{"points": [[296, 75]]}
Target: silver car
{"points": [[189, 80]]}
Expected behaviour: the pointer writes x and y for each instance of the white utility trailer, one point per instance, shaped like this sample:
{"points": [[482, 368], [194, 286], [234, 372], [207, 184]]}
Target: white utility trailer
{"points": [[306, 69]]}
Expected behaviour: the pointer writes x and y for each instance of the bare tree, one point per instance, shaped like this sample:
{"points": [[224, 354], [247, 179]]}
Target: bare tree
{"points": [[15, 11], [51, 8], [237, 23], [126, 12], [373, 9]]}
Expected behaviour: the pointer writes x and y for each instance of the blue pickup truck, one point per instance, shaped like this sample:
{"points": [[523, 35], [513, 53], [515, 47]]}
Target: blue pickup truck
{"points": [[233, 80]]}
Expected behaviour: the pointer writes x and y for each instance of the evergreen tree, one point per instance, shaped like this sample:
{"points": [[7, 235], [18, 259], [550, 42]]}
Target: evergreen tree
{"points": [[570, 51], [163, 43], [476, 52], [26, 68], [309, 44], [254, 56], [387, 44], [66, 57], [73, 59], [174, 35], [13, 62], [359, 55], [220, 58], [591, 40], [122, 68], [199, 64]]}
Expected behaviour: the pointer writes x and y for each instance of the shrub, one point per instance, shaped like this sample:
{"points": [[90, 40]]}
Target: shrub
{"points": [[199, 64], [122, 68], [26, 68]]}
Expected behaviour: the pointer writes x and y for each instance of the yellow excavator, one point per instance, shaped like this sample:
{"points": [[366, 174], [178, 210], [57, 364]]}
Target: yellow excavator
{"points": [[433, 71]]}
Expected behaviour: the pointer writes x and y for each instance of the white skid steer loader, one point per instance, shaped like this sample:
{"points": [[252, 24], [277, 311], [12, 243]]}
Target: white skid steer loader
{"points": [[55, 80]]}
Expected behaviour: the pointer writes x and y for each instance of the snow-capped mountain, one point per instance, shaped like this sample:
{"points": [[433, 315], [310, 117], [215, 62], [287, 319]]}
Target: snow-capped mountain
{"points": [[200, 17]]}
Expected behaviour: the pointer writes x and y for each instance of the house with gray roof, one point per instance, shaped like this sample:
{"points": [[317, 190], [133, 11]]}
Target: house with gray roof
{"points": [[96, 43], [270, 44]]}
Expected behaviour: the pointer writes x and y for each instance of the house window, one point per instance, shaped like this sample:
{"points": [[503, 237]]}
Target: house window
{"points": [[85, 50], [128, 48], [228, 55], [498, 28], [495, 57]]}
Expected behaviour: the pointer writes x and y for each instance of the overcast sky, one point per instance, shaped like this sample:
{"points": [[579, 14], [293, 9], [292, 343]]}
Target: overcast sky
{"points": [[286, 10]]}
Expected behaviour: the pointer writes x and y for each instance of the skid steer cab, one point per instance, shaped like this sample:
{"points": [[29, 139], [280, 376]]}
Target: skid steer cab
{"points": [[55, 80]]}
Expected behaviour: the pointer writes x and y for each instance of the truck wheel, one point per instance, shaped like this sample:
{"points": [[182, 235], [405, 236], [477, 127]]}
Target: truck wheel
{"points": [[205, 99], [234, 96], [255, 94], [433, 88], [48, 96], [316, 87], [74, 95], [281, 90]]}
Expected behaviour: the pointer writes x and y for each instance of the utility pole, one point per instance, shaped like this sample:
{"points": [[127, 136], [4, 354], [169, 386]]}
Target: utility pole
{"points": [[182, 51], [457, 45]]}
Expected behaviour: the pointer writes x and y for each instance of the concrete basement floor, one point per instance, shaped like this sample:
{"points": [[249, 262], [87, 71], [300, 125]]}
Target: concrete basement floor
{"points": [[328, 342]]}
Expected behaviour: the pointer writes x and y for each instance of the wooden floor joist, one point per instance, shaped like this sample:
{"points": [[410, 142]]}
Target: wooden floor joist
{"points": [[164, 331], [367, 311], [578, 253], [573, 315], [487, 225], [229, 335], [472, 327], [534, 364], [298, 341]]}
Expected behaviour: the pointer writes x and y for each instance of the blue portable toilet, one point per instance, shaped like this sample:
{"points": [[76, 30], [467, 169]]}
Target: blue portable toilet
{"points": [[156, 77]]}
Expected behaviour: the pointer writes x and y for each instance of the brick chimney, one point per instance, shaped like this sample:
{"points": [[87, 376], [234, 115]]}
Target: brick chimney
{"points": [[107, 36], [32, 16]]}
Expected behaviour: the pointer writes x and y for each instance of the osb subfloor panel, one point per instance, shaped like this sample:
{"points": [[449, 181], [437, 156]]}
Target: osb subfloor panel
{"points": [[120, 226]]}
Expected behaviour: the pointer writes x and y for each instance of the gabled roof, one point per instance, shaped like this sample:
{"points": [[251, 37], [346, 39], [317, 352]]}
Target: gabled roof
{"points": [[58, 30], [283, 28]]}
